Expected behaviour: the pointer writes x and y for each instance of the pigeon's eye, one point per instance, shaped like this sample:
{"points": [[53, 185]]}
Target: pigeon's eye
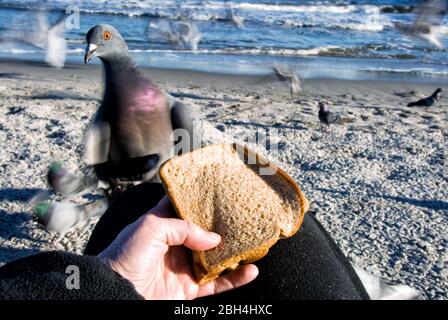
{"points": [[106, 35]]}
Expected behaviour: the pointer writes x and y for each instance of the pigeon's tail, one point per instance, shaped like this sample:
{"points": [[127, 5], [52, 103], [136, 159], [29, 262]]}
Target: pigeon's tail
{"points": [[346, 120], [412, 104]]}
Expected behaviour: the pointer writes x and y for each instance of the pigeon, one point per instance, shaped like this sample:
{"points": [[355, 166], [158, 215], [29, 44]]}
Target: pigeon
{"points": [[232, 18], [429, 101], [131, 134], [283, 74], [328, 118], [67, 184], [429, 18], [62, 217]]}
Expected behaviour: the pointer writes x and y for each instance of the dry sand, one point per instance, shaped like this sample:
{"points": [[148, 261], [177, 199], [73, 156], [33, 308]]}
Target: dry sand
{"points": [[379, 185]]}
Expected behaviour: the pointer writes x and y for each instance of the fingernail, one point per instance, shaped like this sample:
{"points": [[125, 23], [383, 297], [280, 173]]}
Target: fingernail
{"points": [[215, 236]]}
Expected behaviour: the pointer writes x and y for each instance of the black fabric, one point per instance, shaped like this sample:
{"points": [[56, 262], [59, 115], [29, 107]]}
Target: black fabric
{"points": [[125, 209], [43, 276], [306, 266]]}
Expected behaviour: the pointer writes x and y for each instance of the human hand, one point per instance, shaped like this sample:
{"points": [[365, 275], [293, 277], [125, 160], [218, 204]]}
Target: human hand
{"points": [[151, 254]]}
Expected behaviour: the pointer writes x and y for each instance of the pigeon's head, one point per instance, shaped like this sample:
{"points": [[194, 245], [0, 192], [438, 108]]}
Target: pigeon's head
{"points": [[438, 93], [321, 106], [104, 42]]}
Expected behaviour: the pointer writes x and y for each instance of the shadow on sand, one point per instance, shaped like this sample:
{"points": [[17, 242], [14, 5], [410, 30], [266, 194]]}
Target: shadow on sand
{"points": [[21, 195], [432, 204]]}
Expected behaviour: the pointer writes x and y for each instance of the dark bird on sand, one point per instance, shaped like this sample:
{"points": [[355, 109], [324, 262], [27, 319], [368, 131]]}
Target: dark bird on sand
{"points": [[328, 118], [429, 101]]}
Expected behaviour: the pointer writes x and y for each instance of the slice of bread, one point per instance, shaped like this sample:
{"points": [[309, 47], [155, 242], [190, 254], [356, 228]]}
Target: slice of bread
{"points": [[234, 192]]}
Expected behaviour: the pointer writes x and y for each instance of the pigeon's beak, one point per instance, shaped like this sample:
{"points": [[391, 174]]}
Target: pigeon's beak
{"points": [[90, 52]]}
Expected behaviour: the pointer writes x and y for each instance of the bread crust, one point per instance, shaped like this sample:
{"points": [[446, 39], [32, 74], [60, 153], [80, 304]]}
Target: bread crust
{"points": [[205, 275]]}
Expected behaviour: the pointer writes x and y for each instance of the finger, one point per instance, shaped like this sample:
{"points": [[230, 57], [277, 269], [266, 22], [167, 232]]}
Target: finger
{"points": [[232, 280], [175, 232]]}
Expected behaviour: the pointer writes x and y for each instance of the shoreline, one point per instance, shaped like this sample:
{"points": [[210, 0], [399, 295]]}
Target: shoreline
{"points": [[314, 74]]}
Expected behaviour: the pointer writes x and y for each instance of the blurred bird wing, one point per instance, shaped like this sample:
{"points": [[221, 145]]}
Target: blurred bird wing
{"points": [[97, 144], [189, 35], [433, 39], [56, 44], [40, 34], [42, 22], [296, 85], [168, 31], [58, 28], [282, 72], [333, 117], [56, 52], [431, 12]]}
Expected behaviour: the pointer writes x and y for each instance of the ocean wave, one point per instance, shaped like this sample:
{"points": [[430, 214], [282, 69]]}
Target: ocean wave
{"points": [[349, 17], [213, 9], [19, 51], [324, 23], [413, 72], [367, 51], [246, 51]]}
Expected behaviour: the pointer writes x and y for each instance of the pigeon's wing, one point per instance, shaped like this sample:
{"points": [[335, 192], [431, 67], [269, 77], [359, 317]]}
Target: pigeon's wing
{"points": [[97, 144], [432, 38], [182, 120], [168, 32], [282, 72], [296, 85], [38, 38], [333, 117], [56, 44], [189, 34], [431, 12]]}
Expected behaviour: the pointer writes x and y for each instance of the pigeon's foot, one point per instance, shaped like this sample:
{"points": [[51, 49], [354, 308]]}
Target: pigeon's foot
{"points": [[116, 190]]}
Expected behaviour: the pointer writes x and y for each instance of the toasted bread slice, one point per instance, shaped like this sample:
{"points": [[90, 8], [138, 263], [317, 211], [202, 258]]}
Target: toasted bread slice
{"points": [[234, 192]]}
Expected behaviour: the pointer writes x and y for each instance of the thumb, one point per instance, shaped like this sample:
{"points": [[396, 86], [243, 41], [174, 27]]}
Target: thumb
{"points": [[175, 232]]}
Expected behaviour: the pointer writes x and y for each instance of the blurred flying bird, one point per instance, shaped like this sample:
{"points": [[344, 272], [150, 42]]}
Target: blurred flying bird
{"points": [[285, 74], [429, 101], [426, 26], [48, 38], [182, 33], [232, 18]]}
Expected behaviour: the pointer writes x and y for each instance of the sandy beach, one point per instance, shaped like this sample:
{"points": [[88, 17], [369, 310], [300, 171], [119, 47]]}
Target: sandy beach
{"points": [[378, 184]]}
